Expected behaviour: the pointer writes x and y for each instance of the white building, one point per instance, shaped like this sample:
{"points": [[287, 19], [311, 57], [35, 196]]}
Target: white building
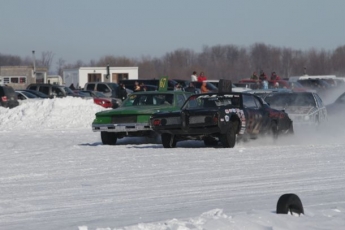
{"points": [[80, 76]]}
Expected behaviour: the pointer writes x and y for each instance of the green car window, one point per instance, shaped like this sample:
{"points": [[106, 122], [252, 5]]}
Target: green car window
{"points": [[148, 100]]}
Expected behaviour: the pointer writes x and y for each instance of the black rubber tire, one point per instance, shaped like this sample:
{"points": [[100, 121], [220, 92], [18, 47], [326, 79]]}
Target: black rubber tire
{"points": [[210, 141], [291, 131], [289, 203], [168, 140], [108, 138], [274, 130], [228, 139]]}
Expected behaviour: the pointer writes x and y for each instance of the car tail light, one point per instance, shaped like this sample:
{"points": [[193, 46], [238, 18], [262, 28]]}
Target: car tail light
{"points": [[4, 98], [215, 119], [156, 122]]}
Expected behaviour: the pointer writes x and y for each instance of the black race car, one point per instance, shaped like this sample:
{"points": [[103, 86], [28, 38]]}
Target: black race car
{"points": [[215, 117]]}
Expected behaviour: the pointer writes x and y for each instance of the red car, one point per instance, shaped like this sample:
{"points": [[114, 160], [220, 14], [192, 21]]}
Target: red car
{"points": [[100, 99], [105, 102]]}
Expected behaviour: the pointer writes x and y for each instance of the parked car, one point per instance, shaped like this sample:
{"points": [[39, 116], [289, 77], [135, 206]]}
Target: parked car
{"points": [[152, 82], [263, 93], [100, 99], [104, 102], [209, 86], [109, 89], [70, 92], [220, 117], [234, 88], [23, 95], [304, 108], [51, 90], [131, 119], [37, 93], [277, 84], [8, 97], [337, 107]]}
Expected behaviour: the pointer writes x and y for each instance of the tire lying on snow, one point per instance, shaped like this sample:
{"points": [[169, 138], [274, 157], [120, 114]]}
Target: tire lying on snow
{"points": [[289, 203]]}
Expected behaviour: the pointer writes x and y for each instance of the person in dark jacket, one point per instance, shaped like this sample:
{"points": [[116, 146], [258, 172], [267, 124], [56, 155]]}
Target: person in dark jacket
{"points": [[191, 88], [122, 92]]}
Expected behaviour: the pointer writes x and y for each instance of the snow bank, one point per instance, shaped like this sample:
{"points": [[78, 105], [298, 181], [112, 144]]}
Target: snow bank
{"points": [[58, 113], [216, 219]]}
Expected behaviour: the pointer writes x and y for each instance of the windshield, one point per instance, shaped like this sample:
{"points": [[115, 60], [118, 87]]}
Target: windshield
{"points": [[284, 99], [29, 95], [99, 94], [212, 101], [68, 91], [148, 100], [113, 86]]}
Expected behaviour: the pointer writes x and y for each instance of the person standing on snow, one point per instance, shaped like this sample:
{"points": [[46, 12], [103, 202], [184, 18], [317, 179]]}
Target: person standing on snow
{"points": [[274, 76], [202, 77], [254, 76], [193, 77], [136, 87], [122, 92], [263, 79]]}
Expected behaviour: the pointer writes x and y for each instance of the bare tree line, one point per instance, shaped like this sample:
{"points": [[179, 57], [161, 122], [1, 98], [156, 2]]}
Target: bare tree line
{"points": [[217, 62]]}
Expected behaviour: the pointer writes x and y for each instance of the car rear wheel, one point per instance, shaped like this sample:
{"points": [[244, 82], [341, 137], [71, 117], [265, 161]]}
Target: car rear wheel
{"points": [[168, 140], [228, 139], [274, 130], [108, 138], [291, 131]]}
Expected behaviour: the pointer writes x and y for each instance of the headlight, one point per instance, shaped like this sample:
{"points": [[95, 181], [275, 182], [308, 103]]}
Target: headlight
{"points": [[306, 118]]}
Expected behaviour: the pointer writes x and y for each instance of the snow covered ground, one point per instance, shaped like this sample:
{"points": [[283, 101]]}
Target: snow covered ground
{"points": [[56, 174]]}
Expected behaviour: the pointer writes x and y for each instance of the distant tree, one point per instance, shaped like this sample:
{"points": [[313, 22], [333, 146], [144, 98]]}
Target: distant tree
{"points": [[10, 60], [115, 61], [148, 68], [177, 64], [318, 62], [219, 61], [60, 66], [338, 61], [46, 59], [260, 57]]}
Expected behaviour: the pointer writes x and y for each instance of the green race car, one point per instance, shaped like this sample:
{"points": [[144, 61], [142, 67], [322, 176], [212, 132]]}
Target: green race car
{"points": [[132, 118]]}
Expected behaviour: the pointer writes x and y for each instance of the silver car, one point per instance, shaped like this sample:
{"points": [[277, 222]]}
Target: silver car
{"points": [[304, 108]]}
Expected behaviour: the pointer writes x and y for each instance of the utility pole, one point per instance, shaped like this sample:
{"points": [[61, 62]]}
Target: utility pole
{"points": [[34, 62], [108, 71]]}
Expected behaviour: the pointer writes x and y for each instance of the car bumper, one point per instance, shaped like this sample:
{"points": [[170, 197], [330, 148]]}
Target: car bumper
{"points": [[117, 128], [188, 130]]}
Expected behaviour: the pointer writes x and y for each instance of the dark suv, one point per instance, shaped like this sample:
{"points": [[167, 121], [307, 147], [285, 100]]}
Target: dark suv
{"points": [[49, 89], [8, 97]]}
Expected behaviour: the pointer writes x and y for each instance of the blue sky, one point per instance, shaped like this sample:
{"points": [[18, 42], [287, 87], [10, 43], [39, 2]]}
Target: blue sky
{"points": [[84, 30]]}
